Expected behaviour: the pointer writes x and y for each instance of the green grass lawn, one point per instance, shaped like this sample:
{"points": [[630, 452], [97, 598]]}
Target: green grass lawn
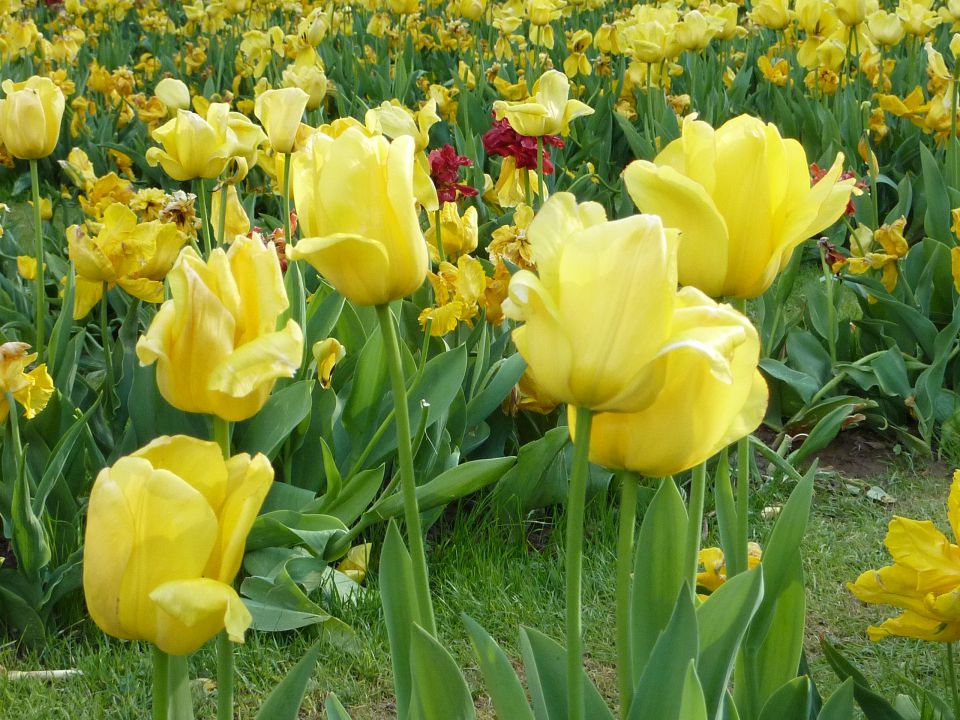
{"points": [[505, 578]]}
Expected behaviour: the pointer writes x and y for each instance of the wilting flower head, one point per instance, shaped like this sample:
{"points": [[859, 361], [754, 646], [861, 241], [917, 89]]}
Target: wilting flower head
{"points": [[215, 341], [924, 580], [166, 529], [459, 234], [32, 389], [445, 167], [712, 566], [600, 315], [548, 112], [502, 140], [741, 197], [30, 115]]}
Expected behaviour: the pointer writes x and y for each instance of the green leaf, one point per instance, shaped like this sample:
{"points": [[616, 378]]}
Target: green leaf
{"points": [[508, 374], [522, 487], [506, 692], [320, 322], [804, 385], [823, 433], [335, 710], [367, 391], [874, 706], [285, 699], [398, 596], [355, 496], [29, 538], [60, 455], [60, 336], [288, 528], [283, 411], [840, 705], [936, 220], [658, 572], [334, 481], [439, 690], [692, 704], [789, 702]]}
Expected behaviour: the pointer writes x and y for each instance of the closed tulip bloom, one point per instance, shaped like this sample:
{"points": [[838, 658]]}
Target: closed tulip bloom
{"points": [[30, 115], [741, 197], [772, 14], [697, 411], [280, 112], [166, 529], [173, 93], [237, 222], [548, 112], [851, 12], [215, 341], [885, 28], [194, 146], [599, 315], [355, 202], [306, 72]]}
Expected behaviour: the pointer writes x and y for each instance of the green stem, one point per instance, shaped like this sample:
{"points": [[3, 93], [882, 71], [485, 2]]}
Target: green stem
{"points": [[107, 339], [831, 308], [204, 214], [439, 236], [225, 663], [14, 427], [698, 489], [40, 298], [221, 435], [628, 519], [178, 687], [574, 562], [540, 196], [952, 678], [528, 199], [743, 486], [286, 199], [161, 685], [408, 482], [222, 226]]}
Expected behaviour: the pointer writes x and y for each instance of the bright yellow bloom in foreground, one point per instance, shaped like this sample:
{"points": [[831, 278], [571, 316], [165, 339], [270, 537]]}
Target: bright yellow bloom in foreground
{"points": [[31, 389], [741, 197], [600, 316], [548, 112], [166, 528], [713, 408], [356, 206], [215, 342], [30, 115], [924, 580]]}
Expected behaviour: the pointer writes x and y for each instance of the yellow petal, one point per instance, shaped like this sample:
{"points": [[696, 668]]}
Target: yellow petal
{"points": [[198, 462], [194, 610]]}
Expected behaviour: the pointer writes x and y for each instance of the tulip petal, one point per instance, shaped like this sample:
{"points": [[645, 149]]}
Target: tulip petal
{"points": [[912, 625], [920, 546], [357, 266], [147, 290], [195, 610], [198, 462], [953, 505], [86, 294], [259, 362]]}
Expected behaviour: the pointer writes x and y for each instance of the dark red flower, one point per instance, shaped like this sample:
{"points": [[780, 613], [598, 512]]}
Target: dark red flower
{"points": [[816, 173], [445, 167], [504, 141]]}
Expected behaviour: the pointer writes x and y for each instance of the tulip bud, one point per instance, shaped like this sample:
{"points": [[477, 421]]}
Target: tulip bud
{"points": [[30, 116], [173, 93], [280, 112]]}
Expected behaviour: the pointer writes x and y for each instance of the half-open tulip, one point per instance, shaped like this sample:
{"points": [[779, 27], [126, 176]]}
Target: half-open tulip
{"points": [[166, 528], [741, 197], [193, 146], [280, 112], [548, 112], [215, 341], [355, 202], [697, 412], [600, 317], [30, 115]]}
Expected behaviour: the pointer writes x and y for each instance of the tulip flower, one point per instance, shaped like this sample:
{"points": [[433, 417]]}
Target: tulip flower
{"points": [[458, 234], [741, 197], [548, 112], [394, 121], [713, 409], [280, 111], [32, 389], [306, 72], [215, 342], [924, 580], [602, 315], [193, 146], [357, 212], [236, 221], [166, 529], [173, 93], [30, 116]]}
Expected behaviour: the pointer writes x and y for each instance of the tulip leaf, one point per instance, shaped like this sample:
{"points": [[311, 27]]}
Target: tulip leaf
{"points": [[803, 384], [321, 319], [823, 433], [362, 408], [287, 528], [874, 706], [284, 410], [507, 374], [522, 487], [790, 702], [545, 662], [936, 219], [29, 538], [692, 704], [398, 596], [285, 699], [354, 498], [439, 689], [59, 456], [839, 706], [60, 336], [506, 692], [335, 710]]}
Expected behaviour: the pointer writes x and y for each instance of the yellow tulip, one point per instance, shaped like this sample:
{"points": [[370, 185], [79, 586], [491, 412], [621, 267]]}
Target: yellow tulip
{"points": [[31, 389], [694, 32], [712, 410], [306, 72], [741, 197], [886, 28], [30, 116], [280, 111], [327, 354], [548, 112], [237, 222], [772, 14], [135, 256], [600, 315], [851, 12], [355, 201], [193, 146], [459, 234], [166, 528], [215, 342], [173, 93], [394, 120], [472, 9]]}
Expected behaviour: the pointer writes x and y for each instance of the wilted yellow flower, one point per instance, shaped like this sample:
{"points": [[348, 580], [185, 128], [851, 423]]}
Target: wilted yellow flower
{"points": [[327, 354], [459, 234], [712, 566], [741, 197], [458, 291], [355, 202], [215, 342], [30, 116], [31, 389], [548, 112], [894, 247], [280, 111], [510, 242], [166, 529]]}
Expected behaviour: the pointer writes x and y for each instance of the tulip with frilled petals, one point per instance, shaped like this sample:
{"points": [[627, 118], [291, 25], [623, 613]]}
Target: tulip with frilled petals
{"points": [[306, 72], [601, 318], [700, 408], [458, 234], [173, 93], [215, 341], [32, 389], [280, 112], [166, 528], [741, 197], [548, 112], [30, 115], [355, 203]]}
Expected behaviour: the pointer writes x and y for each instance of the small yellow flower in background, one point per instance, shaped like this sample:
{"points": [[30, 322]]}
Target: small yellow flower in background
{"points": [[355, 564], [459, 234], [894, 247], [32, 389], [510, 242], [886, 28], [106, 191], [135, 256], [712, 566], [166, 528], [174, 94], [30, 116], [924, 580], [528, 395], [237, 222], [548, 112], [777, 72], [327, 354], [280, 112], [79, 169], [395, 121], [307, 73], [46, 207], [771, 14], [458, 291], [27, 267], [215, 341]]}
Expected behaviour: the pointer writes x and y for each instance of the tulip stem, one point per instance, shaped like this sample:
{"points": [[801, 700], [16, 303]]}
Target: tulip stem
{"points": [[407, 480], [540, 197], [161, 684], [225, 669], [222, 226], [107, 341], [40, 298], [14, 427], [628, 520], [576, 500], [439, 235], [698, 488], [286, 199], [221, 435], [952, 677], [743, 483], [204, 215]]}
